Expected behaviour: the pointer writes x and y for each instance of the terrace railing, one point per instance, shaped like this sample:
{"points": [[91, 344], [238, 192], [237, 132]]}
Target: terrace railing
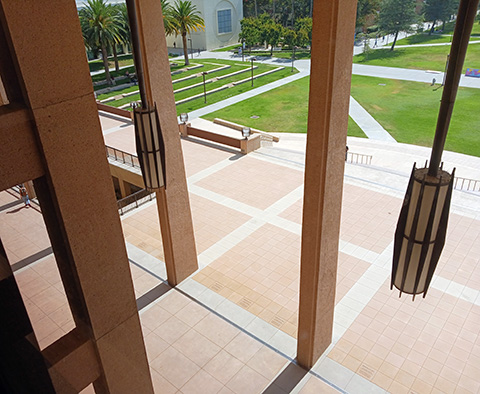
{"points": [[121, 156], [358, 158], [466, 184], [134, 201]]}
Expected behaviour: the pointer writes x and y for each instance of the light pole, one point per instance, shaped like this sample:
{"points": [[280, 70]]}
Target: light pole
{"points": [[252, 60], [293, 56], [204, 87]]}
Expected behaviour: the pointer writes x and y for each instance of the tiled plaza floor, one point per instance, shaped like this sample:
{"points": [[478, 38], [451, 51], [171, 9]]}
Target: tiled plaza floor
{"points": [[231, 327]]}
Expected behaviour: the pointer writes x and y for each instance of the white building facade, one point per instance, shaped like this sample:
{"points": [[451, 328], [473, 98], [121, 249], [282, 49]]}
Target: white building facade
{"points": [[222, 25]]}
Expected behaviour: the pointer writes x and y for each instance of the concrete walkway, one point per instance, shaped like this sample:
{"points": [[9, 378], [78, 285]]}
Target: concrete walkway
{"points": [[371, 128]]}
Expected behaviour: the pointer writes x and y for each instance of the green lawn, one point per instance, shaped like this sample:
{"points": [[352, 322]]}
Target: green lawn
{"points": [[283, 109], [409, 110], [210, 64], [123, 60], [425, 38], [229, 48], [422, 58]]}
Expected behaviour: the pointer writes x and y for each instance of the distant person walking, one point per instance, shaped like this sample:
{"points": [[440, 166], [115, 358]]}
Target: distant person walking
{"points": [[24, 195]]}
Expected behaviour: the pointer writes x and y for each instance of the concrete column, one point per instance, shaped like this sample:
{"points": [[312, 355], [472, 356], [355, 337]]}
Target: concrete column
{"points": [[174, 212], [333, 29], [87, 236]]}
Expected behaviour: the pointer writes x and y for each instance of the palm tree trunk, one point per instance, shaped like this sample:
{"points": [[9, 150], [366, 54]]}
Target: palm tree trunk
{"points": [[115, 57], [394, 41], [185, 49], [105, 65], [256, 14]]}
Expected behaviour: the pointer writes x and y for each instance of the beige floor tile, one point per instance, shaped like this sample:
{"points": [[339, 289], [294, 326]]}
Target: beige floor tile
{"points": [[160, 384], [223, 366], [196, 347], [316, 386], [247, 381], [154, 316], [171, 330], [243, 347], [202, 383], [216, 330], [175, 367], [267, 362], [154, 345]]}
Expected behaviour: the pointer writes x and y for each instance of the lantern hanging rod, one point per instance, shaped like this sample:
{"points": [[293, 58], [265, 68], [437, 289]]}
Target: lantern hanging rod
{"points": [[136, 49], [467, 11]]}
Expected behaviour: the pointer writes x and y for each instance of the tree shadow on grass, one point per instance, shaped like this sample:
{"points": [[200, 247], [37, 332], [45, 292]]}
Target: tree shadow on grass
{"points": [[378, 54]]}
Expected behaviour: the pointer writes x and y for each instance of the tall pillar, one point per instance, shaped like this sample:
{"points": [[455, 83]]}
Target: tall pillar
{"points": [[76, 194], [331, 68], [173, 203]]}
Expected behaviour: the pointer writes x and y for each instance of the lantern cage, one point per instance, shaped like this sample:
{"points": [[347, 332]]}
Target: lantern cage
{"points": [[421, 230]]}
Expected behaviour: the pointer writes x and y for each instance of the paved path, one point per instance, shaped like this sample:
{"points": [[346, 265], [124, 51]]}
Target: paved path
{"points": [[367, 123]]}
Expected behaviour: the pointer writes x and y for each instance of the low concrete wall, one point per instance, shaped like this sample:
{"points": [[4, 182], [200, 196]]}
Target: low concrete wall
{"points": [[113, 110]]}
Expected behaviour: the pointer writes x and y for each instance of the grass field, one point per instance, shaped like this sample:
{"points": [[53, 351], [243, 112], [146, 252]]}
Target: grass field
{"points": [[283, 109], [210, 64], [407, 110], [422, 58]]}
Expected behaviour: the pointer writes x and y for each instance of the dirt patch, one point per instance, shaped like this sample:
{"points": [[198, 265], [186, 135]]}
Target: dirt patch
{"points": [[377, 107]]}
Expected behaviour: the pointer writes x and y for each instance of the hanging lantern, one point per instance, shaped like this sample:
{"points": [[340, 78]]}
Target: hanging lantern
{"points": [[422, 225], [150, 147], [421, 230]]}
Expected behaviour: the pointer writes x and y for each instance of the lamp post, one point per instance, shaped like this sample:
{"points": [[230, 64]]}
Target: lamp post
{"points": [[204, 87], [293, 56], [191, 47], [252, 60], [422, 225]]}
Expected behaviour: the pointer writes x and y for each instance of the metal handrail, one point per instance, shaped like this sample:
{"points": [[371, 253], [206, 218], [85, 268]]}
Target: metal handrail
{"points": [[466, 184], [358, 158], [121, 156], [134, 200]]}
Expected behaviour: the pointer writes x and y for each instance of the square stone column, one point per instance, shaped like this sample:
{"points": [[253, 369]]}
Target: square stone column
{"points": [[331, 68], [76, 194], [173, 202]]}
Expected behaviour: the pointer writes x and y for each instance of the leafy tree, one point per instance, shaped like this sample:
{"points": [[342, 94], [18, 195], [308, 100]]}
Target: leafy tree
{"points": [[439, 10], [100, 28], [396, 16], [250, 33], [186, 19], [273, 34], [303, 27], [367, 11]]}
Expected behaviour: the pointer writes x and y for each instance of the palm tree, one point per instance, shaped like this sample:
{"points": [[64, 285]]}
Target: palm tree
{"points": [[168, 21], [100, 28], [124, 30], [186, 19]]}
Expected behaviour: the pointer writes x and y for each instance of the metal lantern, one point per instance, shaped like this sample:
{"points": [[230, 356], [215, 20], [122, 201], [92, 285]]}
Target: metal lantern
{"points": [[246, 132], [184, 117], [422, 225], [421, 230], [150, 147]]}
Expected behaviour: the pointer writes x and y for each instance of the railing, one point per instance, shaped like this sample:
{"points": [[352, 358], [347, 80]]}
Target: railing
{"points": [[358, 158], [123, 157], [134, 201], [466, 184]]}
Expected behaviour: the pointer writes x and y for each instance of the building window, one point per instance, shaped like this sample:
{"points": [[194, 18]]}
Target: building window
{"points": [[224, 18]]}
